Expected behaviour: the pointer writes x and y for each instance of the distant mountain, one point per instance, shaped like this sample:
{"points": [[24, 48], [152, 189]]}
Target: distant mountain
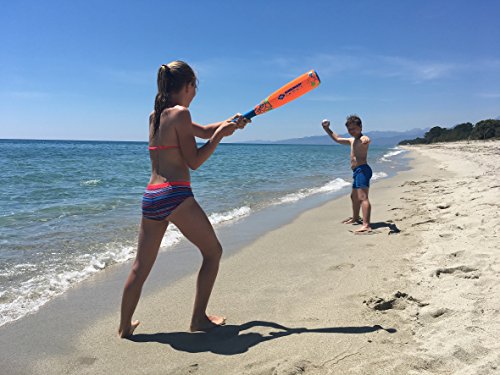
{"points": [[380, 138]]}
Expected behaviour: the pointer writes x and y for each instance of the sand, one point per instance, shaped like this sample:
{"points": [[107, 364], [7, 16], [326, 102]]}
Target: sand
{"points": [[420, 295]]}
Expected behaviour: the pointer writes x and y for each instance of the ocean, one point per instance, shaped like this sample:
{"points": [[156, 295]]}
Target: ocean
{"points": [[70, 209]]}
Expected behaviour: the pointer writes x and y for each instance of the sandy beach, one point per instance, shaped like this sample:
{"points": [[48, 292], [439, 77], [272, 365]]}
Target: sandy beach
{"points": [[419, 295]]}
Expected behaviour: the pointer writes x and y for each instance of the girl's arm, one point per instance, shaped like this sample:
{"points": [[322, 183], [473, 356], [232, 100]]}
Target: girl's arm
{"points": [[193, 155], [205, 132]]}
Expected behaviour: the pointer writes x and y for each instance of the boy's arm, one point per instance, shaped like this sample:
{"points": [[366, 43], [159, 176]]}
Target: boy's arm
{"points": [[334, 136], [365, 140]]}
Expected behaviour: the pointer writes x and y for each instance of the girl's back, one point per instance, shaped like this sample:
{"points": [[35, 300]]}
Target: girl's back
{"points": [[164, 149]]}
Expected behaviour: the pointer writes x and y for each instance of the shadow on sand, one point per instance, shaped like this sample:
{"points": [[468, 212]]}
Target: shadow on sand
{"points": [[393, 229], [227, 340]]}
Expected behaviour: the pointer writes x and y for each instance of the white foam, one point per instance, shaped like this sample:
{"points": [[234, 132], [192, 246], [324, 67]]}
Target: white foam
{"points": [[90, 182], [390, 154], [237, 213], [378, 175], [37, 291], [40, 289], [171, 237], [329, 187], [25, 265]]}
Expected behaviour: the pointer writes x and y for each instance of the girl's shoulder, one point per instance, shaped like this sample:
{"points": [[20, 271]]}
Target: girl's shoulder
{"points": [[176, 116], [176, 111]]}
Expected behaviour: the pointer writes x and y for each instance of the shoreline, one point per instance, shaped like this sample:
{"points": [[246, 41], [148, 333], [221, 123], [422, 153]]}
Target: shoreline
{"points": [[60, 241], [351, 303], [249, 222]]}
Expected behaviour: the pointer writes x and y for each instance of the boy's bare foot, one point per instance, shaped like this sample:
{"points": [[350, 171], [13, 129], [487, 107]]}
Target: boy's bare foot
{"points": [[207, 323], [128, 331], [363, 229], [351, 220]]}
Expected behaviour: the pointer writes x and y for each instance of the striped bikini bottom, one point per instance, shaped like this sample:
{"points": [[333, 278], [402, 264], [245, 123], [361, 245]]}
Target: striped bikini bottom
{"points": [[160, 200]]}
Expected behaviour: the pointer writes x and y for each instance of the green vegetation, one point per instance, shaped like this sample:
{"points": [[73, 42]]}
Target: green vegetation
{"points": [[484, 129]]}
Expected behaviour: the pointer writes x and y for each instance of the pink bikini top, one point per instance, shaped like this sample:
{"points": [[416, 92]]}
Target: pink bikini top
{"points": [[162, 147]]}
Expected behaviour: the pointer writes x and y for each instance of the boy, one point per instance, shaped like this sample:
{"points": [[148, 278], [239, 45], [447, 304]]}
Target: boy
{"points": [[361, 170]]}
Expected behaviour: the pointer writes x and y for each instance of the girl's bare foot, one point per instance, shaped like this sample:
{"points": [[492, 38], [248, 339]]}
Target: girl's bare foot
{"points": [[128, 331], [206, 323]]}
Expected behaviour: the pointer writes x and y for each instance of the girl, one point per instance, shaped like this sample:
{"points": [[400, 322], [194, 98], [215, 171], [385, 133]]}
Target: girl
{"points": [[168, 196]]}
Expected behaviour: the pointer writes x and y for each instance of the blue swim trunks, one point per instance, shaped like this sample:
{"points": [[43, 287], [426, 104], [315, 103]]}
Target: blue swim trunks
{"points": [[361, 176]]}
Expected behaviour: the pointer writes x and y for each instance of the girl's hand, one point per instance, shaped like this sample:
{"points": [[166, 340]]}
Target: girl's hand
{"points": [[227, 128], [325, 123], [240, 121]]}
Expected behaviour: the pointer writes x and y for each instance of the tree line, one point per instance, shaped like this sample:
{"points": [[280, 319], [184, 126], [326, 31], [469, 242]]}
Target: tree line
{"points": [[484, 129]]}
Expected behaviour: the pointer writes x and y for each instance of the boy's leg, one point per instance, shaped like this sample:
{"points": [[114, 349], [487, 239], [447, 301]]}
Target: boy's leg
{"points": [[356, 204], [362, 195]]}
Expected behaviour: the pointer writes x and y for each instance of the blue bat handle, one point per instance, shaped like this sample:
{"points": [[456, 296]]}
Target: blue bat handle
{"points": [[248, 115]]}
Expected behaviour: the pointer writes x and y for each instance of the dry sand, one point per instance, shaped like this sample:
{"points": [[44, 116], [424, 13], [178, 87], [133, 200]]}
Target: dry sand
{"points": [[418, 296]]}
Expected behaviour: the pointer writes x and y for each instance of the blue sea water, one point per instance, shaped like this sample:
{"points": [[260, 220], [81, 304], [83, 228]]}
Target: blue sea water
{"points": [[69, 209]]}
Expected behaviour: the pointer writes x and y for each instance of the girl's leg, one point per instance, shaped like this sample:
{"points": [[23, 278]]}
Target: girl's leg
{"points": [[150, 236], [195, 226]]}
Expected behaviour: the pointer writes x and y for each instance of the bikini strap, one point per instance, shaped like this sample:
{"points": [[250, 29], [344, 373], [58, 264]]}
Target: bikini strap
{"points": [[162, 147]]}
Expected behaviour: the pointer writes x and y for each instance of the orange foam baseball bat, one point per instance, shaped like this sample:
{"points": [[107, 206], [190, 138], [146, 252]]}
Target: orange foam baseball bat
{"points": [[285, 94]]}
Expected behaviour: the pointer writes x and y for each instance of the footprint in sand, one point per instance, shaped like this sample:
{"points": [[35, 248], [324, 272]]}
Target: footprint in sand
{"points": [[413, 183], [483, 256], [456, 254], [191, 369], [366, 233], [463, 272], [469, 355], [399, 301], [443, 206], [295, 368], [424, 222], [340, 267], [87, 360], [430, 314]]}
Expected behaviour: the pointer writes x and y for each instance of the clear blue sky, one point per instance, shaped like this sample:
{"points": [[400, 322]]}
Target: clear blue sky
{"points": [[87, 69]]}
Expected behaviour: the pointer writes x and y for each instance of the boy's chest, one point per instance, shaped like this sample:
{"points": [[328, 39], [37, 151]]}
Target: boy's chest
{"points": [[358, 148]]}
